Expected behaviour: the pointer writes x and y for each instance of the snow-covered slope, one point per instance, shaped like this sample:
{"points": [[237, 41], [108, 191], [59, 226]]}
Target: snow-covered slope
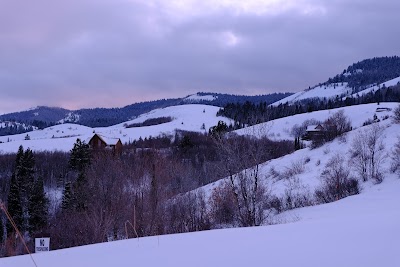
{"points": [[377, 87], [62, 137], [7, 124], [331, 91], [197, 98], [328, 91], [312, 162], [280, 129]]}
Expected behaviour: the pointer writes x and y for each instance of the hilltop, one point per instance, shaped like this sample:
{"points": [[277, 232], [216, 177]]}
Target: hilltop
{"points": [[360, 78]]}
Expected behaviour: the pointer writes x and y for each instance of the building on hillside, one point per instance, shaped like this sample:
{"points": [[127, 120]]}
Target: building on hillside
{"points": [[98, 142], [314, 132]]}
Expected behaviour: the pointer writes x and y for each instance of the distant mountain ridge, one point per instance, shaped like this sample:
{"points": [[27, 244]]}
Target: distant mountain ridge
{"points": [[42, 116]]}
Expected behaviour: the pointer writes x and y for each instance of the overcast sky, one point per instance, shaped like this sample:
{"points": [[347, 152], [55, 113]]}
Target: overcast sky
{"points": [[111, 53]]}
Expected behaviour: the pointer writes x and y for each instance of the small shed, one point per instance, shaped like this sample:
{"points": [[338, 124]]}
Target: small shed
{"points": [[99, 142]]}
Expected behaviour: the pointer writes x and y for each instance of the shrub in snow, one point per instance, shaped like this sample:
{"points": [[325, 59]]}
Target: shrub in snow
{"points": [[296, 195], [275, 203], [294, 169], [188, 213], [336, 182], [396, 116], [396, 157], [222, 208]]}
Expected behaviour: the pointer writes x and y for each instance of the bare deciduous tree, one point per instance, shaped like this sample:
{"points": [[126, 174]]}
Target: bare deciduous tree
{"points": [[222, 206], [396, 157], [337, 124], [368, 153], [242, 158]]}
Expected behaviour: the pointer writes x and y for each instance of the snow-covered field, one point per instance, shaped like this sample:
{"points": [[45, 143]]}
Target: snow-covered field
{"points": [[62, 137]]}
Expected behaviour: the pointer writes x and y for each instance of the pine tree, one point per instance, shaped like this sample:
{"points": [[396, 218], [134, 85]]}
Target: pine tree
{"points": [[67, 200], [19, 156], [80, 194], [24, 172], [80, 156], [79, 161], [14, 206], [37, 207]]}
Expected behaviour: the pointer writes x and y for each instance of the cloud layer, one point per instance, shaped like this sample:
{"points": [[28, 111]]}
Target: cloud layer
{"points": [[87, 53]]}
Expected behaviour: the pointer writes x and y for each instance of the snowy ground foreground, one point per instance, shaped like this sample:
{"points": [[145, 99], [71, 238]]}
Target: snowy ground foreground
{"points": [[280, 129], [62, 137], [361, 230]]}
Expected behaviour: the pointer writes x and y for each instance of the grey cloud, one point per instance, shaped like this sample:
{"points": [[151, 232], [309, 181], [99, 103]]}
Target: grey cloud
{"points": [[58, 52]]}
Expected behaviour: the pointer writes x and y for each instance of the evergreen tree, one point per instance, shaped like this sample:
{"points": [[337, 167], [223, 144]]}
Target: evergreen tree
{"points": [[37, 207], [80, 193], [14, 206], [80, 156], [20, 155], [24, 172], [67, 202], [79, 161]]}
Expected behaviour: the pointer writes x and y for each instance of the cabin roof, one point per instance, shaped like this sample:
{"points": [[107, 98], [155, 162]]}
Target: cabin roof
{"points": [[107, 140], [314, 128]]}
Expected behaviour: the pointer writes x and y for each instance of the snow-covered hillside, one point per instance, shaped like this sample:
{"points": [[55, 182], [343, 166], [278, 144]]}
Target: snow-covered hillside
{"points": [[360, 230], [305, 166], [332, 91], [198, 98], [389, 83], [8, 124], [328, 91], [280, 129], [62, 137]]}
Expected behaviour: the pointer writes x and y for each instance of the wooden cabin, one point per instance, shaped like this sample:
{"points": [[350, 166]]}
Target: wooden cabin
{"points": [[98, 142], [314, 132]]}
